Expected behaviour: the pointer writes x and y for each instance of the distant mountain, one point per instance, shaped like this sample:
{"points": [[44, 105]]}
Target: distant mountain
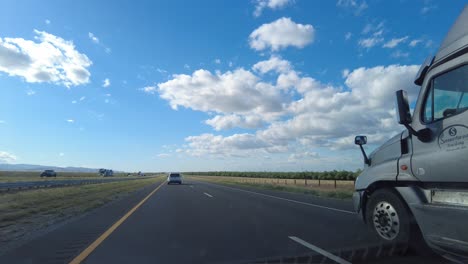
{"points": [[30, 167]]}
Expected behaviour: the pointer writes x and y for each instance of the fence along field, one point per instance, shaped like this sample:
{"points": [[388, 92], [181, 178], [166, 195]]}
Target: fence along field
{"points": [[309, 175]]}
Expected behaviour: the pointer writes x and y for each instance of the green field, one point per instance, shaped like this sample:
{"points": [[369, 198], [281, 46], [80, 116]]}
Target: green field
{"points": [[342, 175]]}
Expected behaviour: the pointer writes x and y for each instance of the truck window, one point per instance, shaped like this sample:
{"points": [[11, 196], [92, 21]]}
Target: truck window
{"points": [[447, 95]]}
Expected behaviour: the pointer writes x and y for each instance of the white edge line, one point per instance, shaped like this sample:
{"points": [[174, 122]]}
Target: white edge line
{"points": [[319, 250], [289, 200], [209, 195]]}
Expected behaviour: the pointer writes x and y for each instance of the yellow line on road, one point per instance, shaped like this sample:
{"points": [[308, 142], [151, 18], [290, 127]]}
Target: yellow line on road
{"points": [[85, 253]]}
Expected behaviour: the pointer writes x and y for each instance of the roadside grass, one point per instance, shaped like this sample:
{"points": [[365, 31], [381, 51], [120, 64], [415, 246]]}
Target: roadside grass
{"points": [[24, 212], [15, 176], [339, 193]]}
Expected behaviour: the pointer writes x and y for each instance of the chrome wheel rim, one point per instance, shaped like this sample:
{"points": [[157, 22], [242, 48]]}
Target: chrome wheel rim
{"points": [[386, 221]]}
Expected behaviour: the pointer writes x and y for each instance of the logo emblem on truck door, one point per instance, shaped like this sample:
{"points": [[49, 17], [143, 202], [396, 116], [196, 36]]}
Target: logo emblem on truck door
{"points": [[454, 138], [452, 131]]}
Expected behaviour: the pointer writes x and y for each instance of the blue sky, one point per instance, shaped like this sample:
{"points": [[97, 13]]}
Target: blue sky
{"points": [[208, 85]]}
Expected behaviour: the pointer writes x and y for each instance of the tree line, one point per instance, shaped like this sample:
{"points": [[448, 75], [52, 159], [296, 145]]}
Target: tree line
{"points": [[315, 175]]}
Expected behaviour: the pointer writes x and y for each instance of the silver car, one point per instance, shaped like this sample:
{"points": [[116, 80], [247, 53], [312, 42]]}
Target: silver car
{"points": [[174, 178]]}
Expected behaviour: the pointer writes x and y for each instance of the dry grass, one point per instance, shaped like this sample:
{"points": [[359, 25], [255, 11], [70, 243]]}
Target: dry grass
{"points": [[24, 212], [344, 189], [15, 176]]}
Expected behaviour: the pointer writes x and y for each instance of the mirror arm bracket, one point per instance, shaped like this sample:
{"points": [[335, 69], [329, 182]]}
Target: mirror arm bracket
{"points": [[366, 159], [424, 134]]}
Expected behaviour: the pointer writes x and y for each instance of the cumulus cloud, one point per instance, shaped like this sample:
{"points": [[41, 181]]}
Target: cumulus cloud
{"points": [[223, 122], [48, 59], [275, 63], [47, 21], [30, 92], [394, 42], [238, 91], [70, 121], [164, 155], [106, 83], [348, 35], [6, 157], [281, 34], [260, 5], [322, 116]]}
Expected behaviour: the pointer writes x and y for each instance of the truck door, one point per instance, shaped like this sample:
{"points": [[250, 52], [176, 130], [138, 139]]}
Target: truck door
{"points": [[442, 108]]}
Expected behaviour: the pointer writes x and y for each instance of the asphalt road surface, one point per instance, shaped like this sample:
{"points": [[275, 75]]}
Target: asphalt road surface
{"points": [[199, 222]]}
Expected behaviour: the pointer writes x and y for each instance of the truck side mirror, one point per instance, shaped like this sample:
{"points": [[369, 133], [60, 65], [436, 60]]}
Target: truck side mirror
{"points": [[360, 140], [403, 115]]}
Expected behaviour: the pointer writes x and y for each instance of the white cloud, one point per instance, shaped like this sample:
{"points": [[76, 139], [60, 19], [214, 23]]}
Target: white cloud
{"points": [[356, 6], [186, 66], [224, 122], [164, 155], [149, 89], [415, 42], [345, 73], [369, 42], [394, 42], [275, 63], [61, 154], [82, 98], [2, 122], [108, 94], [400, 54], [231, 64], [6, 157], [376, 29], [74, 102], [217, 61], [272, 4], [30, 92], [50, 59], [47, 21], [323, 116], [70, 121], [303, 155], [281, 34], [162, 71], [106, 83], [93, 38], [348, 35], [238, 91]]}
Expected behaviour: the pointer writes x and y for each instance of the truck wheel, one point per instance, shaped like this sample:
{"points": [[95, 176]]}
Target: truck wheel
{"points": [[389, 218]]}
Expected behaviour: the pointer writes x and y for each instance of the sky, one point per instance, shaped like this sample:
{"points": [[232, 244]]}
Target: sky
{"points": [[256, 85]]}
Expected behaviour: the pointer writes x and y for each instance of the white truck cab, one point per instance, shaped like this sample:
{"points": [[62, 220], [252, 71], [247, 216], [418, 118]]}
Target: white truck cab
{"points": [[416, 184]]}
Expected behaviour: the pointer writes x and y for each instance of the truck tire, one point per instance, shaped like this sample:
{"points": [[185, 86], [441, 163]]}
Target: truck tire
{"points": [[389, 217]]}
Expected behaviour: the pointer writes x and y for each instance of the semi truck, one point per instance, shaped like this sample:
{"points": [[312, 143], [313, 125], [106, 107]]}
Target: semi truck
{"points": [[414, 188]]}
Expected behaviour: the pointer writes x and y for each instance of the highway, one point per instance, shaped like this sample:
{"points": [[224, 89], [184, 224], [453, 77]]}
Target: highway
{"points": [[200, 222]]}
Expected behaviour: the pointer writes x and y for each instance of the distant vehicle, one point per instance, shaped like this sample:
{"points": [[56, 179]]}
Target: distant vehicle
{"points": [[174, 178], [108, 173], [49, 173], [415, 186]]}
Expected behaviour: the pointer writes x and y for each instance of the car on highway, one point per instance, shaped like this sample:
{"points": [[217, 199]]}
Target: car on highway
{"points": [[49, 173], [174, 178], [415, 187]]}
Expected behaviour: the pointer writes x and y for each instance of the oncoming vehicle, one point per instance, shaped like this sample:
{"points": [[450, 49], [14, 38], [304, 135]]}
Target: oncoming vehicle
{"points": [[174, 178], [49, 173], [416, 184]]}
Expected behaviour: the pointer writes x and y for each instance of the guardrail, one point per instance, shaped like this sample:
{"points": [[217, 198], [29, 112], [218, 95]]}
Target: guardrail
{"points": [[19, 186]]}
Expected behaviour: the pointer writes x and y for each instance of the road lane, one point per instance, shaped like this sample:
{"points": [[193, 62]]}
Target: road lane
{"points": [[179, 225]]}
